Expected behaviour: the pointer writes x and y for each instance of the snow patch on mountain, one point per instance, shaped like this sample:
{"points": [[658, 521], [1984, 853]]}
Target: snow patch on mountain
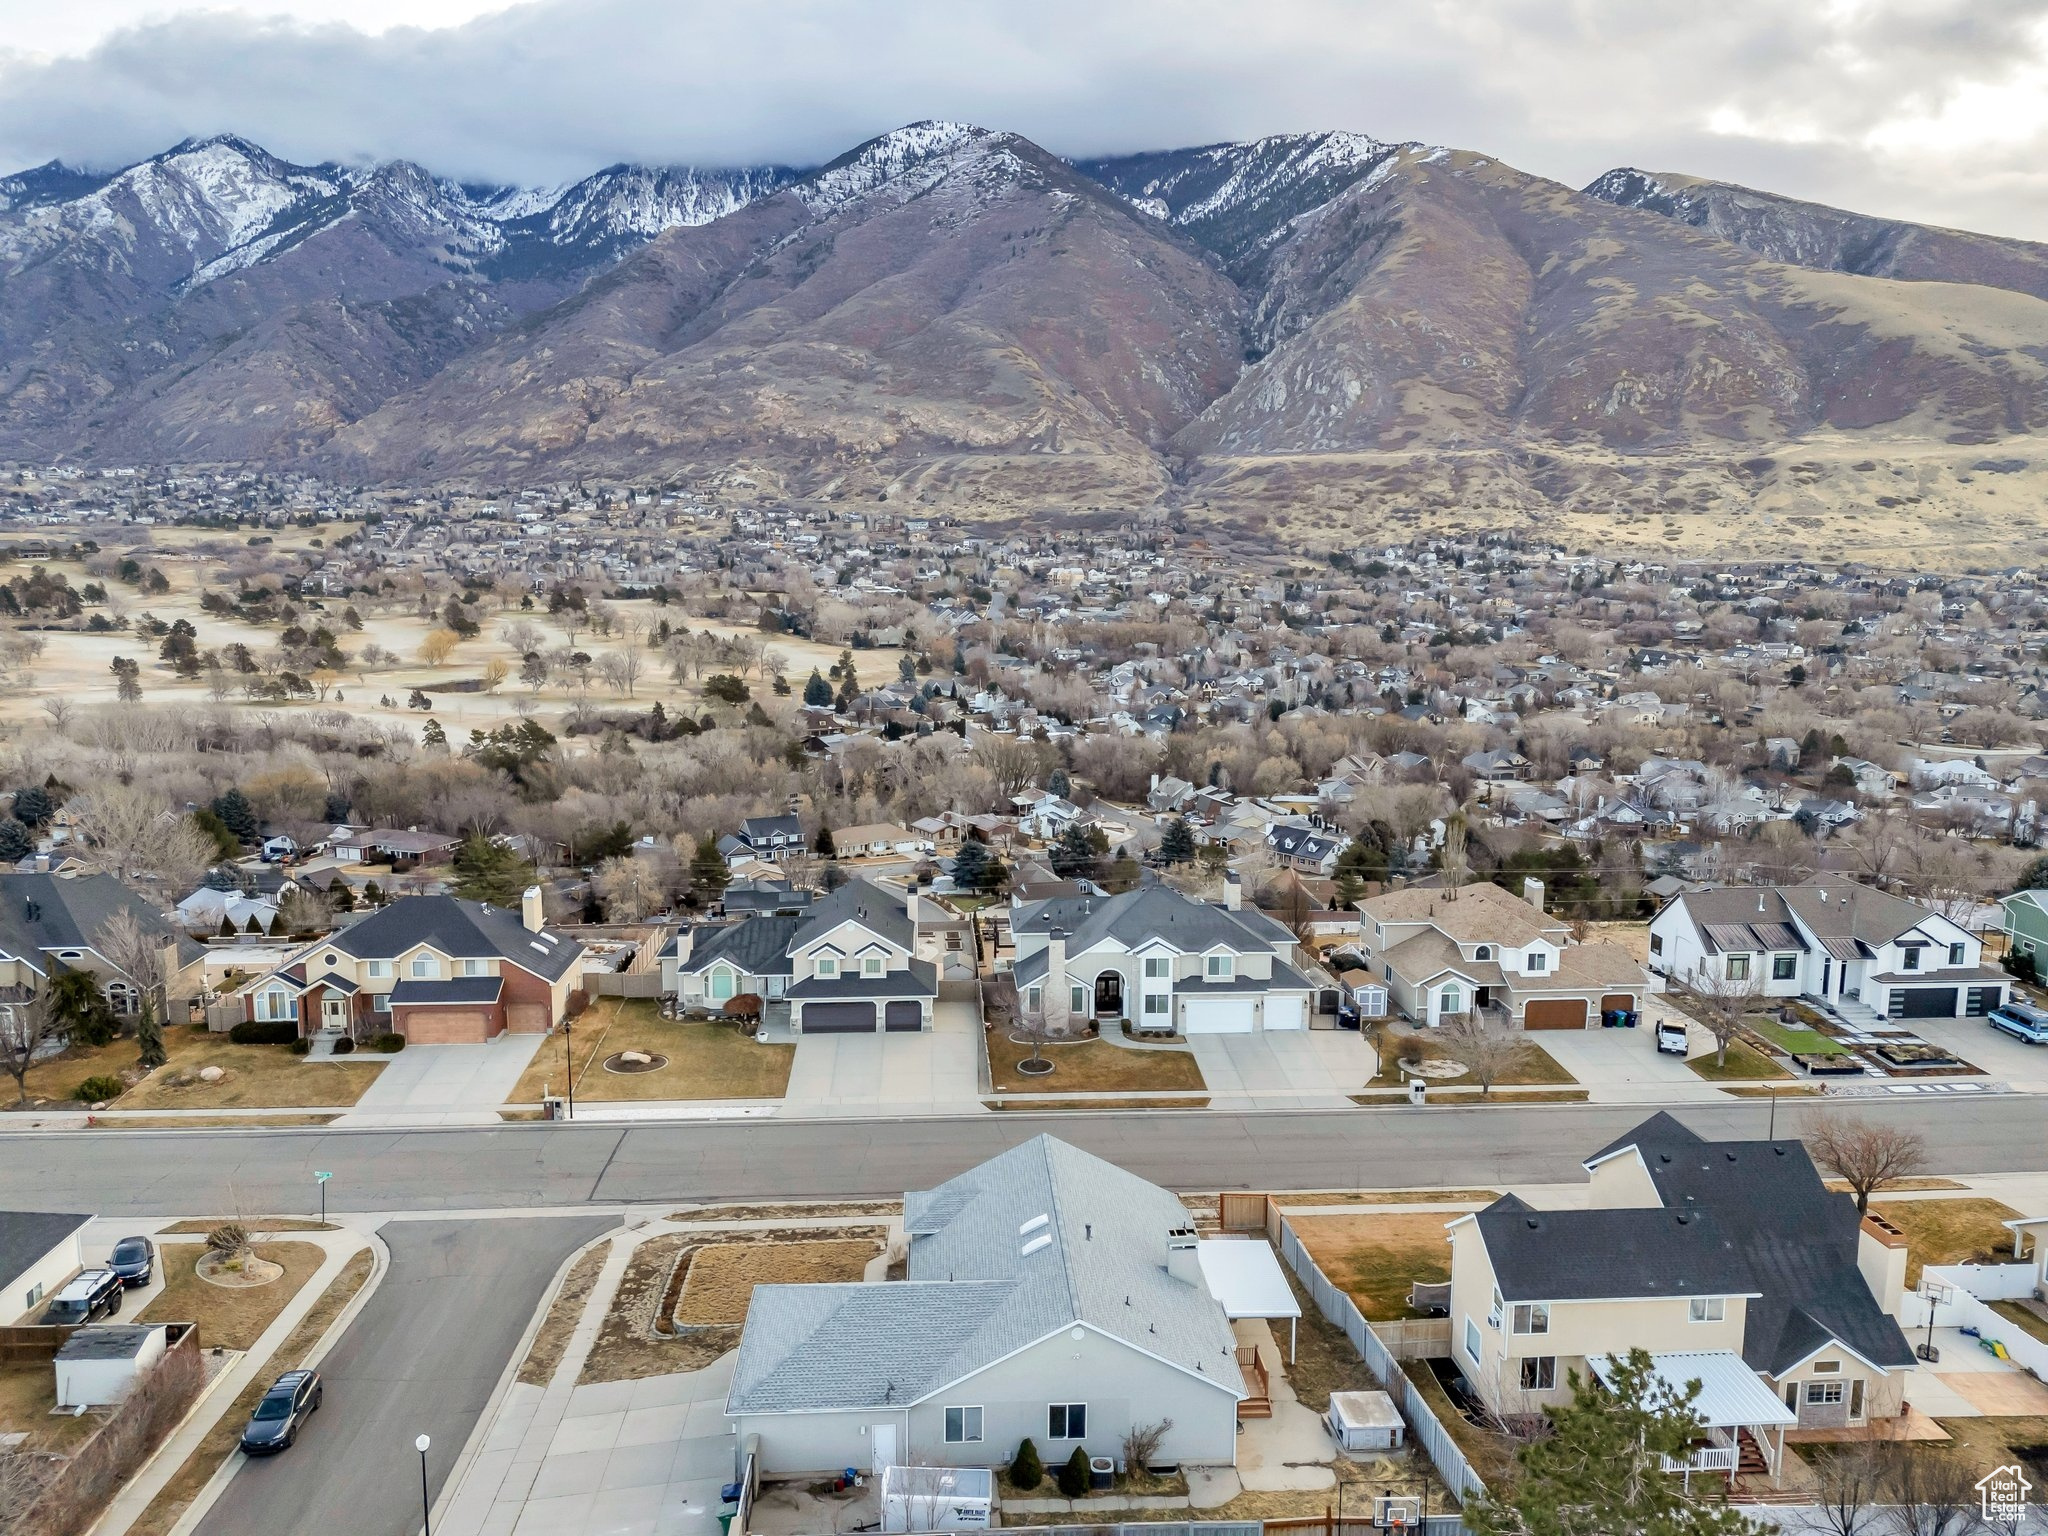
{"points": [[891, 157]]}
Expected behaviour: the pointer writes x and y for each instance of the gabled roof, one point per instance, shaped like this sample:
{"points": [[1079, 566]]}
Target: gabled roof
{"points": [[26, 1238], [759, 945], [975, 1295], [1609, 1255], [881, 912], [1477, 914], [40, 912], [459, 929]]}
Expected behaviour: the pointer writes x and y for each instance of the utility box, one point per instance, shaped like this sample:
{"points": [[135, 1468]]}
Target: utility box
{"points": [[1418, 1091]]}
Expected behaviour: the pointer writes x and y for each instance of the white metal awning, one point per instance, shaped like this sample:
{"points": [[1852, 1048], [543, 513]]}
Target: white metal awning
{"points": [[1246, 1277], [1731, 1394]]}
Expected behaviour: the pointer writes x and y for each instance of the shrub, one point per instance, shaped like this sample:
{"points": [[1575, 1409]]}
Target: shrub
{"points": [[228, 1239], [343, 1046], [1074, 1475], [249, 1032], [100, 1089], [301, 1046], [1026, 1470], [388, 1042]]}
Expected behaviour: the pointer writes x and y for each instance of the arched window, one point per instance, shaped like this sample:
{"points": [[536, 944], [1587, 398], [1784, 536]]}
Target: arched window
{"points": [[1483, 952], [721, 984], [1453, 999], [121, 997]]}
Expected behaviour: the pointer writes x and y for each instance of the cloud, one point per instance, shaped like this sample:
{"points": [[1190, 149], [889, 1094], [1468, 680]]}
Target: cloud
{"points": [[1925, 109]]}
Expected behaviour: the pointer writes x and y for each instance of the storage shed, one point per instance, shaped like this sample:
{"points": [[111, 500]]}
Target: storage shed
{"points": [[98, 1365], [1365, 1421]]}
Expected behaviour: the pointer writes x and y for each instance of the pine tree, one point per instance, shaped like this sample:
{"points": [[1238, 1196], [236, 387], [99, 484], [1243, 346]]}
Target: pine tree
{"points": [[1057, 783], [1072, 852], [489, 871], [707, 867], [236, 814], [33, 806], [1177, 842], [970, 865], [15, 842], [821, 845], [432, 735], [817, 692], [1026, 1470]]}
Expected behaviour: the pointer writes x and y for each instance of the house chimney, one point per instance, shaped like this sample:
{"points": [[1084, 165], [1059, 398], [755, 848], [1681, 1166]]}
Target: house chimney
{"points": [[1182, 1261], [1233, 891], [530, 912], [1532, 892], [1058, 1006]]}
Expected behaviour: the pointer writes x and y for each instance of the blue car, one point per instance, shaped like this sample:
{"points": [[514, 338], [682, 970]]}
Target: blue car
{"points": [[2022, 1022]]}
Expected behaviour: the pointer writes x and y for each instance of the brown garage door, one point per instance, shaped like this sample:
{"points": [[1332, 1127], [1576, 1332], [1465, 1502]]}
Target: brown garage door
{"points": [[902, 1018], [1555, 1013], [446, 1026], [839, 1018], [1618, 1002]]}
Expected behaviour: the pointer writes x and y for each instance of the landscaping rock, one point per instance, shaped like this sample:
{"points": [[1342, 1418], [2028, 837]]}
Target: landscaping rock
{"points": [[211, 1074], [635, 1058]]}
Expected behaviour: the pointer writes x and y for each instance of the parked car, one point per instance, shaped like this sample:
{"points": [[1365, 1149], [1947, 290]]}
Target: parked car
{"points": [[2022, 1021], [134, 1261], [281, 1412], [88, 1298], [1671, 1039]]}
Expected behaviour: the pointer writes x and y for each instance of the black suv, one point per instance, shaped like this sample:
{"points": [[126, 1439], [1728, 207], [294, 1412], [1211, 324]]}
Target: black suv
{"points": [[292, 1399], [90, 1297], [134, 1261]]}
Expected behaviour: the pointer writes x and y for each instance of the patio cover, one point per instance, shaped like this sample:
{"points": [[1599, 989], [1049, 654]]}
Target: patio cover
{"points": [[1731, 1395], [1246, 1277]]}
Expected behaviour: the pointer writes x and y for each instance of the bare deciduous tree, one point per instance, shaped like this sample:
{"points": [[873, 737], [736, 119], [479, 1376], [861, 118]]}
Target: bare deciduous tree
{"points": [[143, 958], [24, 1029], [1719, 1005], [1848, 1492], [1864, 1154], [1932, 1491], [1487, 1050]]}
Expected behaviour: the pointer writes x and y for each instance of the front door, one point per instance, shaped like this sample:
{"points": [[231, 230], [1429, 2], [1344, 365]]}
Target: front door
{"points": [[334, 1014], [882, 1448], [1109, 996]]}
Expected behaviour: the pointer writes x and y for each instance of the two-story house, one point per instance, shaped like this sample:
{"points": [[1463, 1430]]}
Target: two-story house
{"points": [[769, 837], [1834, 941], [52, 923], [1481, 949], [1163, 961], [1730, 1263], [1304, 849], [435, 969], [844, 965]]}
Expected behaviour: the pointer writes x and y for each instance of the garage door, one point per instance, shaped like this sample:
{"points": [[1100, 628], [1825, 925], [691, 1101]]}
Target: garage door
{"points": [[1555, 1013], [445, 1026], [1618, 1002], [903, 1017], [1923, 1002], [1286, 1013], [1216, 1016], [839, 1018]]}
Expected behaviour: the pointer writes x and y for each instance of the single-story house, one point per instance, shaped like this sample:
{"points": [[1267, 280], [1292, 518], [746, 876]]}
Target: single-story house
{"points": [[39, 1251]]}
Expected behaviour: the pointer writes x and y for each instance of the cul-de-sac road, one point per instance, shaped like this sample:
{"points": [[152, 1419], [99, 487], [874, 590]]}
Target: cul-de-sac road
{"points": [[133, 1172]]}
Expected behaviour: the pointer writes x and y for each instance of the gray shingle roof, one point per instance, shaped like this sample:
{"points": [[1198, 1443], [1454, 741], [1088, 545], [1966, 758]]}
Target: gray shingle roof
{"points": [[26, 1236], [1156, 912], [759, 945], [881, 912], [461, 930], [1609, 1255], [40, 912], [457, 991], [921, 979], [975, 1296]]}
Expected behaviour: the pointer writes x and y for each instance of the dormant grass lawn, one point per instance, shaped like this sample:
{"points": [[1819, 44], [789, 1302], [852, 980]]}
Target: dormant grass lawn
{"points": [[1376, 1257], [1798, 1038], [228, 1318], [256, 1076], [1091, 1066], [1949, 1231], [721, 1281], [705, 1061]]}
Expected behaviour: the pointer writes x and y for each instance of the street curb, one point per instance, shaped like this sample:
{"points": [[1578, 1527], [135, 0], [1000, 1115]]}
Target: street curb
{"points": [[451, 1486], [206, 1395], [209, 1495]]}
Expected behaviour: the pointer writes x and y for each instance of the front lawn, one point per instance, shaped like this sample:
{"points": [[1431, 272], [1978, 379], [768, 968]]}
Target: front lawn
{"points": [[721, 1281], [703, 1061], [1744, 1062], [1949, 1231], [1798, 1039], [1376, 1257], [252, 1076], [228, 1318], [1090, 1066], [1532, 1066]]}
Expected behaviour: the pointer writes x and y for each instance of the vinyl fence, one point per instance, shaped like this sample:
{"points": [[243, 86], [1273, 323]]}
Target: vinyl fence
{"points": [[1161, 1528], [1423, 1425]]}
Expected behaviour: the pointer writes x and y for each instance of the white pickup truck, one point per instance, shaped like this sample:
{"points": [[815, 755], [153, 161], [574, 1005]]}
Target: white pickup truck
{"points": [[1670, 1037]]}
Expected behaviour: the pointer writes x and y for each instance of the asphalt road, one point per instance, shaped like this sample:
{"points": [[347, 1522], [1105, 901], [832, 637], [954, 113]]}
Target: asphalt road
{"points": [[423, 1356], [518, 1166]]}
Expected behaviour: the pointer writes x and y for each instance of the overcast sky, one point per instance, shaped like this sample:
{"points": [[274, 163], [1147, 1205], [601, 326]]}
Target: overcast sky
{"points": [[1924, 109]]}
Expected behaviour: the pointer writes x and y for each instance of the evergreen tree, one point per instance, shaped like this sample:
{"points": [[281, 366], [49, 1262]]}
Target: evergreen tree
{"points": [[707, 867], [1177, 842], [817, 692], [970, 865], [225, 844], [1026, 1470], [1074, 1475], [431, 734], [33, 806], [489, 871], [1072, 852], [15, 843], [1599, 1471], [821, 845], [236, 814], [1057, 783], [82, 1010]]}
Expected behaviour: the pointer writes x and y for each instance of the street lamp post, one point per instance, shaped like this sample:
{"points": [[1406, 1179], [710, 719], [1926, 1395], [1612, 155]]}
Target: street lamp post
{"points": [[426, 1506], [569, 1065]]}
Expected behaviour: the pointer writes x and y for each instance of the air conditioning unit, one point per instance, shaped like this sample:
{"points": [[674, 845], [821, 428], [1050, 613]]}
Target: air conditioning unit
{"points": [[1396, 1512]]}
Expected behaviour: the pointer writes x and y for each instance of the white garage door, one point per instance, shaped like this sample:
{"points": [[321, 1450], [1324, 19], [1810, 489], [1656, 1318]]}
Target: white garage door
{"points": [[1216, 1016], [1286, 1013]]}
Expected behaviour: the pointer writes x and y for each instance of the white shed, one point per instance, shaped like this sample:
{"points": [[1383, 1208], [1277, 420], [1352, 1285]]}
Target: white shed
{"points": [[98, 1365], [936, 1498], [1365, 1421]]}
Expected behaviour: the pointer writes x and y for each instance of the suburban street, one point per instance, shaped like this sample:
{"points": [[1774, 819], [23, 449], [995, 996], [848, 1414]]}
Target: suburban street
{"points": [[423, 1357], [524, 1167]]}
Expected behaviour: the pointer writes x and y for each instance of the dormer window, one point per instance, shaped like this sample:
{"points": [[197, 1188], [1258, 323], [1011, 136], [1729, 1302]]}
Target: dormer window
{"points": [[1220, 967], [827, 966], [871, 965], [1483, 952], [1538, 962]]}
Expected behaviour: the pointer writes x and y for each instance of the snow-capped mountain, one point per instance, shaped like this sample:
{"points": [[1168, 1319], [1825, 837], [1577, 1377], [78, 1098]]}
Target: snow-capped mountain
{"points": [[891, 157]]}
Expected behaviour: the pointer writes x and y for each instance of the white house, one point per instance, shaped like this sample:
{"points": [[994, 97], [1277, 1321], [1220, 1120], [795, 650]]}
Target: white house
{"points": [[1834, 941], [39, 1251]]}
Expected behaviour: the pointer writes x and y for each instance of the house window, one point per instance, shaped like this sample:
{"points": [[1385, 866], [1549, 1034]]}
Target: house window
{"points": [[425, 967], [1483, 952], [1077, 998], [380, 1003], [1032, 998], [276, 1006], [1955, 954], [379, 969], [470, 968], [1827, 1367], [332, 960], [1909, 959], [1452, 1000], [963, 1426], [1656, 943], [721, 984], [1823, 1393], [827, 966], [1708, 1309], [1471, 1341], [1738, 967], [1532, 1317], [1221, 967], [1539, 1373], [871, 965], [1855, 1399], [1066, 1421], [1157, 967], [1539, 962], [1784, 967], [1158, 1003]]}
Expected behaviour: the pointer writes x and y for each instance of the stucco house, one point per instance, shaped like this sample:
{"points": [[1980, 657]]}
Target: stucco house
{"points": [[1481, 949], [1833, 941], [844, 965], [52, 923], [436, 969], [1049, 1295], [1163, 961], [1731, 1263]]}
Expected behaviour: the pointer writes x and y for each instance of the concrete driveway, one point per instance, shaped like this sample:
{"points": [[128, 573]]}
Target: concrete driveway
{"points": [[469, 1081], [1284, 1068], [424, 1355], [1614, 1063], [2011, 1061], [930, 1073]]}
